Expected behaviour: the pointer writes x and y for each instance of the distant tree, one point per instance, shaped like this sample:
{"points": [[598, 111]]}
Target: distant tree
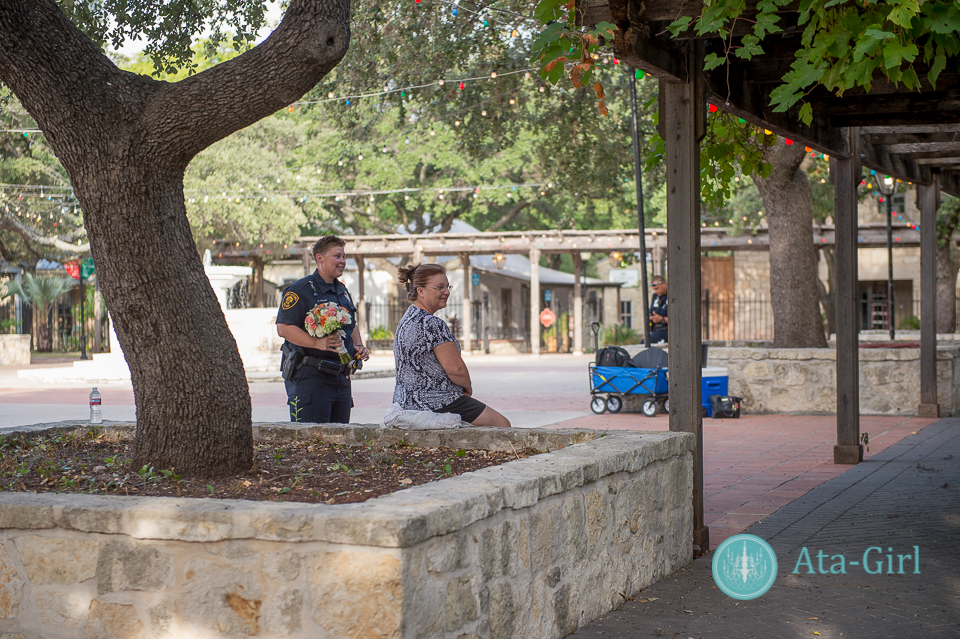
{"points": [[42, 292]]}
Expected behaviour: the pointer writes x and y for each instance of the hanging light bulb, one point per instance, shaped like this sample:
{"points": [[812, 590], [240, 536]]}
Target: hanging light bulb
{"points": [[493, 74], [484, 112], [526, 76], [440, 81], [515, 33]]}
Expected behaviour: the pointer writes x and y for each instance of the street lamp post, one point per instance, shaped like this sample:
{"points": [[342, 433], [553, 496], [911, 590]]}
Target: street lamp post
{"points": [[888, 188]]}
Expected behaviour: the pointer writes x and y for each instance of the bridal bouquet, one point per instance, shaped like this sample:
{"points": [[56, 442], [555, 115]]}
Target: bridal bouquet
{"points": [[327, 319]]}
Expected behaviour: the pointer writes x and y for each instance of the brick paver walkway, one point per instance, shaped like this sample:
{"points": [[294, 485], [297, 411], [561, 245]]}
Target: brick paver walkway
{"points": [[755, 465], [907, 495]]}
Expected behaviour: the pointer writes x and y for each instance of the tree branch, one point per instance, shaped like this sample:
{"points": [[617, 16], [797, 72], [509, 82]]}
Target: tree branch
{"points": [[192, 114], [32, 237], [42, 54], [509, 215]]}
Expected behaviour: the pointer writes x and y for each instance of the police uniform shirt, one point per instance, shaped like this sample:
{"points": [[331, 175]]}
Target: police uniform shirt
{"points": [[301, 296], [659, 306]]}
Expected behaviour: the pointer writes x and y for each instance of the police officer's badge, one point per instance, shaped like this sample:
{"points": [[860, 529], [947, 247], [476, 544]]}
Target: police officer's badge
{"points": [[289, 301]]}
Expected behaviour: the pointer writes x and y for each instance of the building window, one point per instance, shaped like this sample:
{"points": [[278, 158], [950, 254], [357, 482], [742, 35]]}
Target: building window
{"points": [[626, 313], [506, 308]]}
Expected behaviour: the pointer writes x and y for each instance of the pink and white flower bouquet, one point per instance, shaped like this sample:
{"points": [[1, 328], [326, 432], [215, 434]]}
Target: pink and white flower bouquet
{"points": [[326, 319]]}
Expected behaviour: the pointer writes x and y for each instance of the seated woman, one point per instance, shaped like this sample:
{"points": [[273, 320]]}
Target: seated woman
{"points": [[431, 374]]}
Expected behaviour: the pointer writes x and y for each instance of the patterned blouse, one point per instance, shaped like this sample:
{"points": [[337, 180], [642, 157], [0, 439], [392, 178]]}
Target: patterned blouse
{"points": [[422, 384]]}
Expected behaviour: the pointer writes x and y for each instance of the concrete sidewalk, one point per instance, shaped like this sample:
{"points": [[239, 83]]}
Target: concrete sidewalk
{"points": [[906, 496]]}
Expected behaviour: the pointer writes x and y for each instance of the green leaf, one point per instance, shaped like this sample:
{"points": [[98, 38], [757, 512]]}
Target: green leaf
{"points": [[549, 35], [548, 10], [712, 61], [939, 64], [904, 13], [679, 26], [806, 113]]}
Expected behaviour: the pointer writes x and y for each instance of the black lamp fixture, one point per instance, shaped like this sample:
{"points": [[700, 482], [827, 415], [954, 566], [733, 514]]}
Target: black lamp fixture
{"points": [[888, 188]]}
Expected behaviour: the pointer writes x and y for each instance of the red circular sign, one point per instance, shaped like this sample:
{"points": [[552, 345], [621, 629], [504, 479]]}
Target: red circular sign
{"points": [[547, 318]]}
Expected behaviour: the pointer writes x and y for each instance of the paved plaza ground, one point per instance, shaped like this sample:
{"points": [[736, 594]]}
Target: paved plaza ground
{"points": [[904, 497], [771, 475]]}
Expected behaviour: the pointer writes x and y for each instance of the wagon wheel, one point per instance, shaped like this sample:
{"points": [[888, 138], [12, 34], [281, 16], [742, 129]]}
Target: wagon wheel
{"points": [[598, 405], [649, 407], [614, 403]]}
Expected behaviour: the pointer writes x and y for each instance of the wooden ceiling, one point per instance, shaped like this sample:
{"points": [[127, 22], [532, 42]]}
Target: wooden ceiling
{"points": [[906, 134]]}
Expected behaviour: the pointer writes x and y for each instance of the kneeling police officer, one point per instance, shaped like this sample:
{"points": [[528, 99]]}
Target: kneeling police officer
{"points": [[317, 384]]}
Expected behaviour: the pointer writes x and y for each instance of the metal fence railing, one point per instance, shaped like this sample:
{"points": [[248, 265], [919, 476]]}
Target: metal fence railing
{"points": [[740, 316]]}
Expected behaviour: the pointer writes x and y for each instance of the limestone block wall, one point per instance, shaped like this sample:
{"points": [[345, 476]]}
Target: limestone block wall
{"points": [[14, 350], [802, 380], [534, 548]]}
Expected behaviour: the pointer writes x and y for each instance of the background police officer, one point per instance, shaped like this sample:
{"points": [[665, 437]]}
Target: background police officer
{"points": [[659, 319], [319, 390]]}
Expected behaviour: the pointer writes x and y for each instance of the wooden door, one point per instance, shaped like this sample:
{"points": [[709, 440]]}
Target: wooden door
{"points": [[716, 304]]}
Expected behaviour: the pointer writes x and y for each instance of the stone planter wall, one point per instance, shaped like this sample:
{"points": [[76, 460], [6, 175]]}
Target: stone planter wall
{"points": [[533, 548], [803, 380], [15, 350]]}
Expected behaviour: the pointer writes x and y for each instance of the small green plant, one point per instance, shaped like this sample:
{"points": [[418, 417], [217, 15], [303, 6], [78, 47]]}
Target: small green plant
{"points": [[911, 323], [461, 453], [177, 481], [447, 466], [380, 333], [619, 335], [147, 473], [295, 408], [210, 489], [865, 440]]}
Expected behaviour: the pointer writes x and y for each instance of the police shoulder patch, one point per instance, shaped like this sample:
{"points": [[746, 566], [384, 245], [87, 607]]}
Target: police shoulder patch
{"points": [[289, 301]]}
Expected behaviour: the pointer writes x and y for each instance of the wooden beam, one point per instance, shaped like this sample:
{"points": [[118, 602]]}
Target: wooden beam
{"points": [[924, 147], [845, 174], [655, 55], [928, 301], [466, 322], [933, 107], [681, 110], [911, 129]]}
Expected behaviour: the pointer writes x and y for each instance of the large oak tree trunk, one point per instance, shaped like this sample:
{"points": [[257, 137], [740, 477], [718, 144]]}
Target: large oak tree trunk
{"points": [[788, 205], [947, 266], [126, 140], [948, 262]]}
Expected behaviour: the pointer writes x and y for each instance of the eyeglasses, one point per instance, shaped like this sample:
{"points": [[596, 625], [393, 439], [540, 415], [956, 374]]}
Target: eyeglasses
{"points": [[656, 284], [442, 289]]}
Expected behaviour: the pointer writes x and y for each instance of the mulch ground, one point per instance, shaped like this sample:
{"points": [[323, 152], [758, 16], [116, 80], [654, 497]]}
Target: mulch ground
{"points": [[303, 471]]}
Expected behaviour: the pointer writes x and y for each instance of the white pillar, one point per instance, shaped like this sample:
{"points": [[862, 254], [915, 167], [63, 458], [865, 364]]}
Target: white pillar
{"points": [[535, 301]]}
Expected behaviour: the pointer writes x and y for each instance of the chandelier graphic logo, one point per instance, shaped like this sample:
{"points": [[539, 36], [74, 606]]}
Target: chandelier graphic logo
{"points": [[744, 567]]}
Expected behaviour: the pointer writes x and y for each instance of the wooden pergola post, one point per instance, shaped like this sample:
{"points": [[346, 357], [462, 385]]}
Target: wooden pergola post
{"points": [[361, 300], [845, 173], [682, 125], [928, 196], [308, 261], [577, 303], [466, 322], [534, 300]]}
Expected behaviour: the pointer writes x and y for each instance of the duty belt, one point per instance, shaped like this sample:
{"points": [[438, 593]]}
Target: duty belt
{"points": [[326, 366]]}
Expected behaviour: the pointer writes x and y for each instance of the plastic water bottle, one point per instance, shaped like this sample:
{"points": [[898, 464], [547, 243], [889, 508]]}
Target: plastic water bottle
{"points": [[95, 415]]}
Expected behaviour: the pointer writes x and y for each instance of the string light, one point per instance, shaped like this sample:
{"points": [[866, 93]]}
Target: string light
{"points": [[402, 90]]}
